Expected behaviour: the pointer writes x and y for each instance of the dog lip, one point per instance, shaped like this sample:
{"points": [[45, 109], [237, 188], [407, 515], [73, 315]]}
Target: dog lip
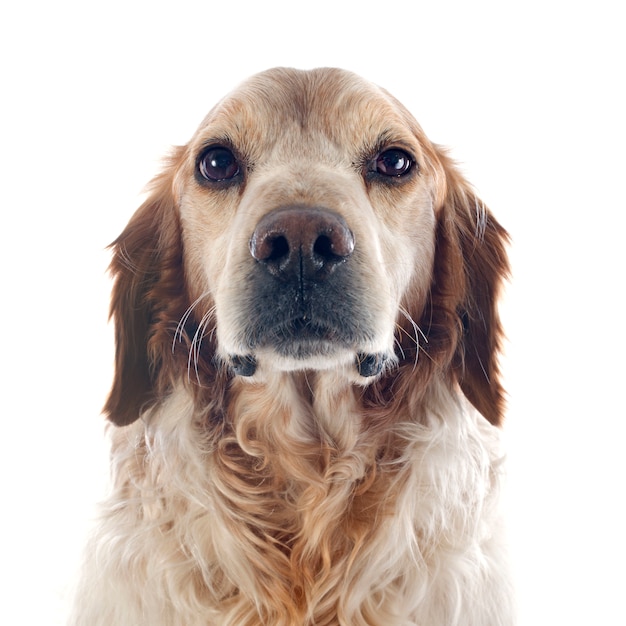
{"points": [[369, 365], [243, 365], [302, 337], [302, 330]]}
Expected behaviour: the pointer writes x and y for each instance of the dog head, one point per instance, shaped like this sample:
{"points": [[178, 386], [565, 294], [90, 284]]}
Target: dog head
{"points": [[308, 225]]}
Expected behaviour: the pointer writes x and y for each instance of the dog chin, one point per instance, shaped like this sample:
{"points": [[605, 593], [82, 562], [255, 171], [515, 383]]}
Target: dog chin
{"points": [[358, 367]]}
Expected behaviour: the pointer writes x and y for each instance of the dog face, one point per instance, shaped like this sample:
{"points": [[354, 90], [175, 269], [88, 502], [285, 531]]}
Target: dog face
{"points": [[309, 225], [307, 203]]}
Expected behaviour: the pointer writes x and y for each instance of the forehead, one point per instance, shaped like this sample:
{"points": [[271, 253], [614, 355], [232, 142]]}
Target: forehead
{"points": [[322, 107]]}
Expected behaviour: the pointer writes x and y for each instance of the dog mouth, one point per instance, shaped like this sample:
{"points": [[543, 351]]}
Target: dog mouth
{"points": [[304, 340], [303, 337], [367, 365]]}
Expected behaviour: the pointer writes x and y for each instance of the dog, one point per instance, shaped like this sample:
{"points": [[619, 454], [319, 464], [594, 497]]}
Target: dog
{"points": [[306, 399]]}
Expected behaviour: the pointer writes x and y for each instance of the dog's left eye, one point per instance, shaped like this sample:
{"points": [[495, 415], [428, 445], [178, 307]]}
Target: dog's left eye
{"points": [[217, 164], [393, 162]]}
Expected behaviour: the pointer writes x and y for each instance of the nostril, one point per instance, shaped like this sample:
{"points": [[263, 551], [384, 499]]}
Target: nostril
{"points": [[324, 247], [268, 246], [335, 244], [278, 248]]}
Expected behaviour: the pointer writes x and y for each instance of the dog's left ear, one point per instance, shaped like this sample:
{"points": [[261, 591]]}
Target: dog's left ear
{"points": [[477, 266]]}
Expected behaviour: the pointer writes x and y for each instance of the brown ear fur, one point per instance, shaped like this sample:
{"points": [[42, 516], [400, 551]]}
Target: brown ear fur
{"points": [[147, 298], [470, 265]]}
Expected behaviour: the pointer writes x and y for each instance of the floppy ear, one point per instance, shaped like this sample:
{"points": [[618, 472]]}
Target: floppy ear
{"points": [[470, 266], [147, 298]]}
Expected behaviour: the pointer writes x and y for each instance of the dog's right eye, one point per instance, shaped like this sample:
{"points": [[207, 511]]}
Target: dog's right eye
{"points": [[217, 164]]}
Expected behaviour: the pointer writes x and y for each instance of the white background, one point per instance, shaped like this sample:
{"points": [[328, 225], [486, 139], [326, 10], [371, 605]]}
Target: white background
{"points": [[529, 96]]}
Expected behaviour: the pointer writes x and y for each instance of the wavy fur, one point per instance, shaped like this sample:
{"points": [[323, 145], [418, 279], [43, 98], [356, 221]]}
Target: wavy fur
{"points": [[304, 495]]}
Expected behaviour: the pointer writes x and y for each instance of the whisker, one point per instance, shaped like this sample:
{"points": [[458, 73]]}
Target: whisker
{"points": [[196, 344], [397, 342], [415, 337], [416, 328], [183, 320]]}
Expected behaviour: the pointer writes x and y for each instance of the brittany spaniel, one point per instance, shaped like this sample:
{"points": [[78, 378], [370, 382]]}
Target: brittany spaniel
{"points": [[306, 395]]}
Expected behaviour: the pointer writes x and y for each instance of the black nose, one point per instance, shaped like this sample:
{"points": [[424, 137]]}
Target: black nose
{"points": [[304, 243]]}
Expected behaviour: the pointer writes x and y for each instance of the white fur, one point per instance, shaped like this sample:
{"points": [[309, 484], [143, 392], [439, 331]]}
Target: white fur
{"points": [[437, 561]]}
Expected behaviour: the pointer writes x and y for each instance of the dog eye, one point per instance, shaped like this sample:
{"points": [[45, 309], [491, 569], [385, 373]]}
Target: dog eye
{"points": [[217, 164], [393, 162]]}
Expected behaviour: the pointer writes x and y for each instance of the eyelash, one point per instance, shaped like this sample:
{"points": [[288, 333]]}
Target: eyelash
{"points": [[217, 164], [392, 163]]}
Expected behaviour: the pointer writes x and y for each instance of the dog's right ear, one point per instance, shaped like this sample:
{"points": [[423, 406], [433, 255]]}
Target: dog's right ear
{"points": [[148, 293]]}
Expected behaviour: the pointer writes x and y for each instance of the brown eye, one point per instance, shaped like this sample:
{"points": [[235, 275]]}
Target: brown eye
{"points": [[217, 164], [393, 162]]}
